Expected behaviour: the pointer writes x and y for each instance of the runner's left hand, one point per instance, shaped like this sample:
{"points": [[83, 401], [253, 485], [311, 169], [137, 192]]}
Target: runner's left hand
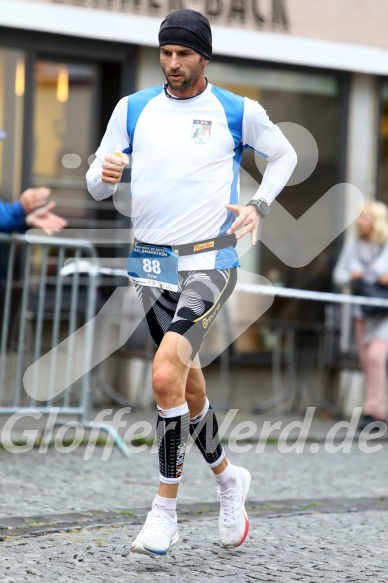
{"points": [[247, 219]]}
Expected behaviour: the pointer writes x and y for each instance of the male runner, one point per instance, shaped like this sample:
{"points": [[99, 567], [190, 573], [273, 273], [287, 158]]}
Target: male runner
{"points": [[186, 140]]}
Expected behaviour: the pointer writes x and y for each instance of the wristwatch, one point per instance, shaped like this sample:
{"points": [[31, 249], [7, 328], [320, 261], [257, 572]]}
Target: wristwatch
{"points": [[261, 206]]}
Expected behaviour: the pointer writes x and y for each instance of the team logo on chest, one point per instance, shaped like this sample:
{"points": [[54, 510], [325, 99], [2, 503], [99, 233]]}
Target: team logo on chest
{"points": [[200, 131]]}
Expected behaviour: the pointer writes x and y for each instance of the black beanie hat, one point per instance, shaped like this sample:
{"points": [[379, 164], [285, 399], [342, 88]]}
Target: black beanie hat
{"points": [[187, 28]]}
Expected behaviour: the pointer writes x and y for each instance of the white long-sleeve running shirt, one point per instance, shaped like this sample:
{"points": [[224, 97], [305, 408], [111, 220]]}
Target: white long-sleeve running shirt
{"points": [[186, 156]]}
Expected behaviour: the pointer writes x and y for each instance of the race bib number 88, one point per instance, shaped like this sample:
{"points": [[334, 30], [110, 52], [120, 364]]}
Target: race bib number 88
{"points": [[153, 265]]}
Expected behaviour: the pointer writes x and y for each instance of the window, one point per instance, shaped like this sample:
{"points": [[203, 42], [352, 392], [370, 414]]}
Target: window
{"points": [[62, 131]]}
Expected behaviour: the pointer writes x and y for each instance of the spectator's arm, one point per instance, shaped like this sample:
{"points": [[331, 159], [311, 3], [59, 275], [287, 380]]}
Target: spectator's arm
{"points": [[12, 217]]}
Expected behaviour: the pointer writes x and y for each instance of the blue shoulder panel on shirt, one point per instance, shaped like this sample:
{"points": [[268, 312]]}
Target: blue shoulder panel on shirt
{"points": [[136, 104], [234, 110]]}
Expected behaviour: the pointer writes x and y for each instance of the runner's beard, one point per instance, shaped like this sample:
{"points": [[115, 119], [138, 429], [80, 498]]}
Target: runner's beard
{"points": [[188, 79]]}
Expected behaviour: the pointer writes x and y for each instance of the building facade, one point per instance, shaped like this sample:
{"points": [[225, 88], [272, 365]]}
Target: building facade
{"points": [[322, 65]]}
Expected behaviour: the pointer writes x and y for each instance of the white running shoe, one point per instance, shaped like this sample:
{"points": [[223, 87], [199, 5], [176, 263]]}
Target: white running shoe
{"points": [[157, 536], [233, 521]]}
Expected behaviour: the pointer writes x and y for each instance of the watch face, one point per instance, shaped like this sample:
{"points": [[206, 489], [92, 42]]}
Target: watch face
{"points": [[263, 207]]}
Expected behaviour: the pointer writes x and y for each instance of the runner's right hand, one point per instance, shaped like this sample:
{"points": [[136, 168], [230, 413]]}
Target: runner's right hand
{"points": [[112, 168]]}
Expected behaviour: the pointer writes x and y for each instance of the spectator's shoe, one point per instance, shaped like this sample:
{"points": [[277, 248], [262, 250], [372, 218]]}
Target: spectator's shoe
{"points": [[373, 424], [157, 536], [233, 521]]}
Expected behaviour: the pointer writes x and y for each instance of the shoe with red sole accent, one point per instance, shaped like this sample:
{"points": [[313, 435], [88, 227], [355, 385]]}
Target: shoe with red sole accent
{"points": [[233, 521]]}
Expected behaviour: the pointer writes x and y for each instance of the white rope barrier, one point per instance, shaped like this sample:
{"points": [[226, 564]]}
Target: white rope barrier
{"points": [[268, 290], [310, 295]]}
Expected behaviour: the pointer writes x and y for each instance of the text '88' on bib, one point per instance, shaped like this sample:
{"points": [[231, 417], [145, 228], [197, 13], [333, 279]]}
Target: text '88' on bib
{"points": [[153, 265]]}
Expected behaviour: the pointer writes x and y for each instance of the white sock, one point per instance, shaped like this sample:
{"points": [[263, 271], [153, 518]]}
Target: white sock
{"points": [[228, 478], [166, 505]]}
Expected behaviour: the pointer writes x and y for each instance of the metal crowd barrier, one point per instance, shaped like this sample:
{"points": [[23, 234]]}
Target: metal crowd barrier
{"points": [[41, 309], [344, 325]]}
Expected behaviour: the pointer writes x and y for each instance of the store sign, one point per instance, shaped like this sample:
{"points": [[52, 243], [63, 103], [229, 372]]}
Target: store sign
{"points": [[346, 21], [270, 14]]}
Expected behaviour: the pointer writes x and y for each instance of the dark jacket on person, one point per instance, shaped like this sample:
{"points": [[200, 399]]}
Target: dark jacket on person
{"points": [[12, 217]]}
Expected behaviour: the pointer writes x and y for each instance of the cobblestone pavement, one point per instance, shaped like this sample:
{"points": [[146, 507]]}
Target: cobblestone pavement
{"points": [[328, 548], [315, 517]]}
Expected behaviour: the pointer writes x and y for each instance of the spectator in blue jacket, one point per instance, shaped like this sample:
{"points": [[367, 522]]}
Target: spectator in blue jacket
{"points": [[31, 210]]}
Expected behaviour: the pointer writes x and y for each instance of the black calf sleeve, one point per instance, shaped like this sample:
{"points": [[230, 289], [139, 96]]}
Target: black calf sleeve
{"points": [[172, 434], [205, 435]]}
